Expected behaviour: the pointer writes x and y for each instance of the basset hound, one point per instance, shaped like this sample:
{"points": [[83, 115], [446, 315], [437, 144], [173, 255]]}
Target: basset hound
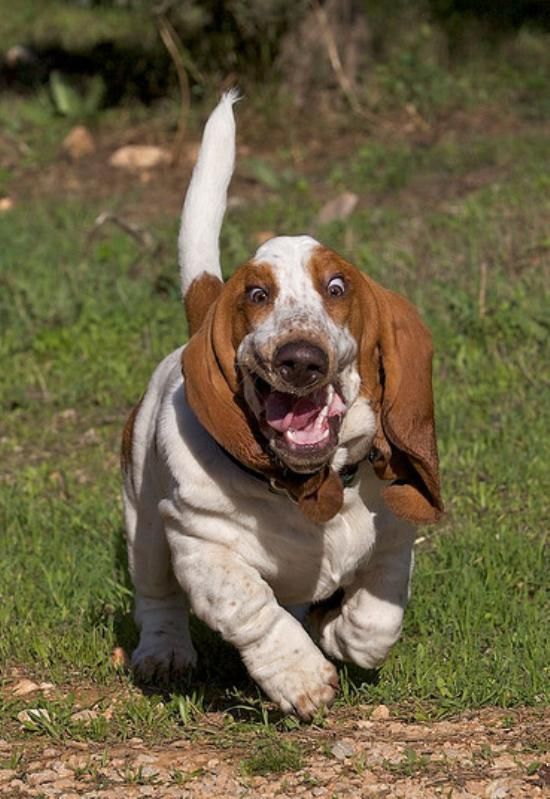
{"points": [[281, 458]]}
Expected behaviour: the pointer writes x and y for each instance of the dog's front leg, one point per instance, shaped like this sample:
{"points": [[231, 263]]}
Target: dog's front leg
{"points": [[368, 622], [231, 597]]}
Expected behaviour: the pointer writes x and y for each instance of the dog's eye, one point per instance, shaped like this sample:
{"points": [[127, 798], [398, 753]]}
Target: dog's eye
{"points": [[336, 286], [257, 294]]}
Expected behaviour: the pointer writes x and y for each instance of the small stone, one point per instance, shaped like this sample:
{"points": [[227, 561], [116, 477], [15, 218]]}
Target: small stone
{"points": [[505, 763], [18, 55], [7, 774], [149, 772], [24, 687], [68, 415], [498, 789], [84, 716], [6, 204], [38, 777], [363, 724], [33, 714], [61, 784], [142, 759], [78, 143], [119, 658], [380, 713], [342, 749], [91, 436], [338, 208], [137, 157], [46, 686]]}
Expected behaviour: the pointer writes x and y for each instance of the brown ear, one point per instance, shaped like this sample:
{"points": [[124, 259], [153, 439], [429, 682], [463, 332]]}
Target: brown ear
{"points": [[211, 381], [212, 391], [199, 297], [408, 447]]}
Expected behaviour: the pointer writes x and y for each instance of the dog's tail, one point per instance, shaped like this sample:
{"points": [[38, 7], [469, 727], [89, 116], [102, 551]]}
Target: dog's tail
{"points": [[205, 202]]}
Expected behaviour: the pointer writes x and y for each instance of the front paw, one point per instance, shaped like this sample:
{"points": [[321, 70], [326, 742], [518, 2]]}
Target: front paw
{"points": [[303, 687], [162, 659]]}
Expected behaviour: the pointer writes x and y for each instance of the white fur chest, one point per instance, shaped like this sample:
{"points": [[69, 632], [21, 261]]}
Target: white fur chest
{"points": [[209, 498]]}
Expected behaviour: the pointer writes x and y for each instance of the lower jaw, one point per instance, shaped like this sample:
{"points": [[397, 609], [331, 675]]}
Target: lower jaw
{"points": [[304, 459]]}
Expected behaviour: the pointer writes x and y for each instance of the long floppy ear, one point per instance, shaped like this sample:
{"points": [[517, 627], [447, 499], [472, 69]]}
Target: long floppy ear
{"points": [[199, 297], [408, 452], [211, 380], [212, 391]]}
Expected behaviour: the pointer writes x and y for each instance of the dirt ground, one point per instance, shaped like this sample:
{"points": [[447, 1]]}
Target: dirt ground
{"points": [[493, 754]]}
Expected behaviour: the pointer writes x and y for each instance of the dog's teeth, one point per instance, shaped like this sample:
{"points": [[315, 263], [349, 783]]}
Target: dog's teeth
{"points": [[319, 422], [330, 395]]}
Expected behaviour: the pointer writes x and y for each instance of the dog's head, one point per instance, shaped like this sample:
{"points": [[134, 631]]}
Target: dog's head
{"points": [[280, 354]]}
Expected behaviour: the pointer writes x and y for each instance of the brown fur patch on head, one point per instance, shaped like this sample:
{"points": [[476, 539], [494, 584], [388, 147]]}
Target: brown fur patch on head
{"points": [[209, 362], [200, 295], [394, 361]]}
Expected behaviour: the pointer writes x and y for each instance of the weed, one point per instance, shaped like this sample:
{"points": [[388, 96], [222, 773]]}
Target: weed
{"points": [[13, 761], [272, 755], [189, 708], [410, 764], [179, 777], [141, 775]]}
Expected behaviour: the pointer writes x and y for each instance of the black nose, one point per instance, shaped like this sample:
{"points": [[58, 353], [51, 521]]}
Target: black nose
{"points": [[300, 364]]}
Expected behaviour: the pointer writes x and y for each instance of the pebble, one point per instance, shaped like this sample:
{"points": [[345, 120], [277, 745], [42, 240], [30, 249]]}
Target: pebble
{"points": [[380, 713], [139, 156], [38, 777], [342, 749], [85, 716], [25, 687], [338, 208], [33, 714], [78, 142]]}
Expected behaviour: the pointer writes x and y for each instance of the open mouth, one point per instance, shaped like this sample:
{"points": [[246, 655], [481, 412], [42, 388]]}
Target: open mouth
{"points": [[301, 429]]}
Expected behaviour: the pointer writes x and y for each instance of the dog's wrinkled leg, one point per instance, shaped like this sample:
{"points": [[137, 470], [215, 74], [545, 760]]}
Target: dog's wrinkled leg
{"points": [[165, 651], [232, 598], [368, 621]]}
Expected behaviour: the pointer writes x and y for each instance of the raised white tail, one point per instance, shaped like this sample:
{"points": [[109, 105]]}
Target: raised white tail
{"points": [[206, 198]]}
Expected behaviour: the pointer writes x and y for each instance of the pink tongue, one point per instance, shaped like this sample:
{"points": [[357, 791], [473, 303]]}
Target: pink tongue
{"points": [[283, 412]]}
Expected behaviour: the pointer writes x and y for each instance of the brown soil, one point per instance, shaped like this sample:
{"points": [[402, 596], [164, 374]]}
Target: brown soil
{"points": [[364, 752]]}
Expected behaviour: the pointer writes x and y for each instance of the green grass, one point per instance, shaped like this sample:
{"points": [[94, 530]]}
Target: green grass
{"points": [[84, 321]]}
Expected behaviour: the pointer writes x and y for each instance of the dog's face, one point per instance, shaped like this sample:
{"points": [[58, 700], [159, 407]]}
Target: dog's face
{"points": [[281, 353], [296, 353]]}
